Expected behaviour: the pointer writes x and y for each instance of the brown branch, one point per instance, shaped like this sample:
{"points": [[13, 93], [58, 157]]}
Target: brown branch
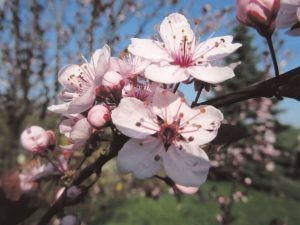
{"points": [[285, 85], [96, 167]]}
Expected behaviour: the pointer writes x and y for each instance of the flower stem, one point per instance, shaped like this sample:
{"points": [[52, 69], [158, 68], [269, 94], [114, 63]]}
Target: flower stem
{"points": [[176, 87], [197, 96], [273, 55], [53, 164]]}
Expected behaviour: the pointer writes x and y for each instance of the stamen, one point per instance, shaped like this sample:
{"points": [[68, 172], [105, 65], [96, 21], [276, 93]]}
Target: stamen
{"points": [[190, 139], [156, 157]]}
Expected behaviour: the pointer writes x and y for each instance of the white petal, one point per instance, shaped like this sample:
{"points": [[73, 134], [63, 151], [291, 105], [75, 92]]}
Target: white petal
{"points": [[139, 64], [65, 126], [185, 169], [83, 102], [61, 109], [148, 49], [209, 52], [286, 19], [130, 112], [211, 74], [166, 104], [81, 131], [200, 124], [138, 157], [100, 61], [68, 77], [168, 74], [173, 29]]}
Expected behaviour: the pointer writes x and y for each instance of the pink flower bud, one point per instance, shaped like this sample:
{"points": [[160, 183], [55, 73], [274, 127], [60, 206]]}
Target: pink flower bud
{"points": [[259, 14], [35, 139], [180, 189], [98, 116], [112, 79]]}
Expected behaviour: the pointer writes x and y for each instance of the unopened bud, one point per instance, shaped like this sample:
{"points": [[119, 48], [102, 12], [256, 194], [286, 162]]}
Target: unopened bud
{"points": [[36, 139], [259, 14], [98, 116]]}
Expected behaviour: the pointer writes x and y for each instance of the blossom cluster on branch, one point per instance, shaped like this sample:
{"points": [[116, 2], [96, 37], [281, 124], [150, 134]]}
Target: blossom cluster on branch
{"points": [[136, 97]]}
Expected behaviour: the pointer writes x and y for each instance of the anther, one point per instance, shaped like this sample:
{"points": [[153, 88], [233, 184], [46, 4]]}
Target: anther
{"points": [[190, 138], [156, 157], [138, 124], [203, 110]]}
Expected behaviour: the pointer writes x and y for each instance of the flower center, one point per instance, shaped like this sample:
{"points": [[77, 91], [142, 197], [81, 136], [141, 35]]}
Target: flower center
{"points": [[168, 133], [184, 57]]}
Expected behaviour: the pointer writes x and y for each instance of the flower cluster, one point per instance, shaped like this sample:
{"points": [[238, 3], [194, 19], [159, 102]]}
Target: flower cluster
{"points": [[135, 94]]}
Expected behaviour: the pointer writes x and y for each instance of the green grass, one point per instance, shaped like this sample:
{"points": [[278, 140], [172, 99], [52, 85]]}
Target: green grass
{"points": [[260, 209]]}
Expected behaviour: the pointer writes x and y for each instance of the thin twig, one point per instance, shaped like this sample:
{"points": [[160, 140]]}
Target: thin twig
{"points": [[273, 55], [197, 96], [276, 86], [176, 87]]}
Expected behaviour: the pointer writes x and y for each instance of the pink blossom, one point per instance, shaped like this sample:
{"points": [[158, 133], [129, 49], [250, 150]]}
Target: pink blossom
{"points": [[98, 116], [259, 14], [179, 55], [129, 65], [140, 88], [131, 68], [166, 133], [36, 139], [80, 82]]}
